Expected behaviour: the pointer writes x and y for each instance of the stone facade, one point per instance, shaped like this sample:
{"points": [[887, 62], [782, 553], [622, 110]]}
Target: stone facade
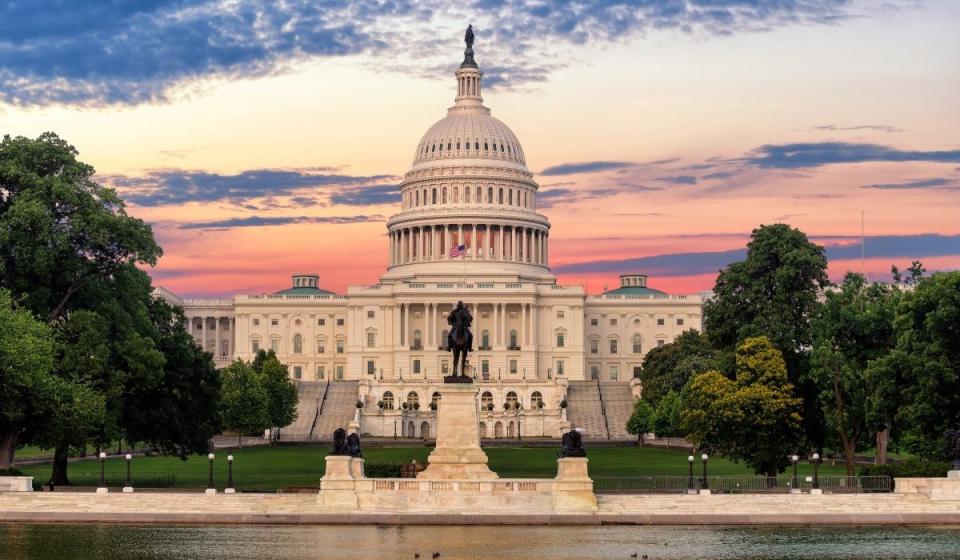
{"points": [[468, 230]]}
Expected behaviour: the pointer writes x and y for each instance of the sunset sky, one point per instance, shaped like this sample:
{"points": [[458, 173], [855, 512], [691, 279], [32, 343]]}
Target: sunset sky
{"points": [[265, 138]]}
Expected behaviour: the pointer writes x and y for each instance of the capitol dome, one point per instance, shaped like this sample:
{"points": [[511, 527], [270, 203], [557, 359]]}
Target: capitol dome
{"points": [[468, 202]]}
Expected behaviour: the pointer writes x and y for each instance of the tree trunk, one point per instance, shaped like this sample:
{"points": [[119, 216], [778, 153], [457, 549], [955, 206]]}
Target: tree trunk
{"points": [[58, 477], [239, 439], [8, 447], [849, 450], [883, 438]]}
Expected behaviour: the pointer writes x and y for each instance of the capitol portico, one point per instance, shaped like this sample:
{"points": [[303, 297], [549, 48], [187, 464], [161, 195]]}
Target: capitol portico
{"points": [[547, 356]]}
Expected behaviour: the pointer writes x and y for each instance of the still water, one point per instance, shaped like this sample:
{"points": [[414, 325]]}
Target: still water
{"points": [[135, 542]]}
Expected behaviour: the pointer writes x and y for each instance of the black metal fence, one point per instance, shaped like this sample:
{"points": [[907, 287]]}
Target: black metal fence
{"points": [[742, 484]]}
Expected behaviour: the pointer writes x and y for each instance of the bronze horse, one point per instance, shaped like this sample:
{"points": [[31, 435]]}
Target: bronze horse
{"points": [[460, 339]]}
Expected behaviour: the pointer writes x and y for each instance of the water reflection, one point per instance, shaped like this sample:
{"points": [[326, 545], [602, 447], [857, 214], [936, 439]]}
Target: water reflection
{"points": [[135, 542]]}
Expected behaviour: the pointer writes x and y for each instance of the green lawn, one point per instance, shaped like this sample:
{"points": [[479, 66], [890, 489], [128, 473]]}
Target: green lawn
{"points": [[266, 469]]}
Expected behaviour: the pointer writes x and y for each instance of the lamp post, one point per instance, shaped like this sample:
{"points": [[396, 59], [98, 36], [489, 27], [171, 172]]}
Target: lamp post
{"points": [[704, 487], [691, 489], [210, 488], [229, 489], [816, 474], [102, 489], [129, 487], [794, 486]]}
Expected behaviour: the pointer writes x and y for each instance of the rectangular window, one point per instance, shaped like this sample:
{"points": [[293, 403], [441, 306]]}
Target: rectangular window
{"points": [[321, 322], [371, 367], [559, 367], [370, 314], [637, 371], [256, 322], [371, 339], [637, 347], [594, 372], [593, 322], [660, 342], [254, 346], [274, 322], [513, 366], [679, 322], [297, 372], [614, 373], [613, 346], [484, 367], [560, 340], [594, 346], [320, 372], [339, 373], [444, 367], [321, 347], [275, 345], [660, 322], [416, 366], [613, 322], [339, 322], [559, 314], [340, 346]]}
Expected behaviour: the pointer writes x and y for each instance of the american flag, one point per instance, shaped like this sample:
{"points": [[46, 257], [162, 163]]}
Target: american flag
{"points": [[458, 250]]}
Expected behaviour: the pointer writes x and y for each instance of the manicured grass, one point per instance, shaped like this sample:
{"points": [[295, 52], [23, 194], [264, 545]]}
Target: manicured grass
{"points": [[266, 469]]}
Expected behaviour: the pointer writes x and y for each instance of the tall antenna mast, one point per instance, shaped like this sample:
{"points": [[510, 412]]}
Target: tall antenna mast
{"points": [[863, 266]]}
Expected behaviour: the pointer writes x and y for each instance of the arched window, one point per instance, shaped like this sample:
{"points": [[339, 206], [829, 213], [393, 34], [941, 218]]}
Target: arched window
{"points": [[434, 197], [441, 146], [637, 347], [508, 149], [510, 197], [297, 344], [486, 147], [489, 195], [486, 400], [448, 145], [476, 145], [456, 195], [433, 148], [444, 195], [466, 195], [512, 400], [513, 339], [536, 400], [458, 146], [417, 199], [479, 195], [435, 398], [500, 196], [388, 401], [417, 340], [485, 339], [413, 400]]}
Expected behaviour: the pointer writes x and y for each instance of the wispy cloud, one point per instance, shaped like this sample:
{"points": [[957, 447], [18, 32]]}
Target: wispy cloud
{"points": [[816, 154], [584, 167], [177, 186], [367, 195], [268, 221], [100, 52], [855, 128], [932, 183], [679, 179]]}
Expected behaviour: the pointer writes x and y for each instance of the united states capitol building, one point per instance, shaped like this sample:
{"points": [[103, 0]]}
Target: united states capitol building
{"points": [[548, 357]]}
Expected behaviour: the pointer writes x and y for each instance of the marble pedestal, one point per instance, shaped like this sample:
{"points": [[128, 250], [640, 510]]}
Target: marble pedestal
{"points": [[458, 455], [573, 487], [337, 488]]}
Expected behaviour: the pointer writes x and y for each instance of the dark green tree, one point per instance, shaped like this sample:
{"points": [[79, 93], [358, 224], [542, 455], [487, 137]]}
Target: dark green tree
{"points": [[773, 293], [641, 420], [853, 327], [668, 368], [667, 418], [282, 396], [243, 400], [918, 383]]}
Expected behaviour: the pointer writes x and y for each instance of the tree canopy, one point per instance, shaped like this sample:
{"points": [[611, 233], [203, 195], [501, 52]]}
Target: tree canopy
{"points": [[668, 368]]}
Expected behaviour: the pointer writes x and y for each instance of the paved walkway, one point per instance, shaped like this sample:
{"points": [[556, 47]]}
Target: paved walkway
{"points": [[181, 507]]}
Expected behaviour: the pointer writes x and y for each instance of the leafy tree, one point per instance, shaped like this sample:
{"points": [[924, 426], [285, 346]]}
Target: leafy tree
{"points": [[667, 420], [853, 327], [243, 400], [754, 418], [26, 362], [918, 383], [773, 293], [668, 368], [915, 272], [641, 420], [281, 391]]}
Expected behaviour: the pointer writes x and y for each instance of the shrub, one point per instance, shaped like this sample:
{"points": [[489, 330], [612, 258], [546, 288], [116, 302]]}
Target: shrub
{"points": [[382, 470], [11, 472], [909, 468]]}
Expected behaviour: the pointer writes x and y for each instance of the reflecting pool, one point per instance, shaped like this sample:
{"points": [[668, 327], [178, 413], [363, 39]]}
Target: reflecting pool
{"points": [[284, 542]]}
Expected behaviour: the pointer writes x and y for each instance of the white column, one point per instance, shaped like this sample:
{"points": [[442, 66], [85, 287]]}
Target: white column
{"points": [[475, 244], [536, 246], [216, 337], [516, 244], [523, 326]]}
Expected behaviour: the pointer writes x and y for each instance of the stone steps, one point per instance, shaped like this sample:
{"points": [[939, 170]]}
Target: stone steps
{"points": [[584, 409], [310, 394], [338, 408], [617, 405]]}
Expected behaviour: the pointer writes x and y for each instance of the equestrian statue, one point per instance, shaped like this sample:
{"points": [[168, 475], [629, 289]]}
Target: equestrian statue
{"points": [[460, 342]]}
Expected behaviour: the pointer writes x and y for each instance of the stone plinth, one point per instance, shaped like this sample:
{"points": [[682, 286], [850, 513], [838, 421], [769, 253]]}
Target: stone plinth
{"points": [[458, 455], [337, 488], [953, 475], [16, 484], [573, 488], [934, 488]]}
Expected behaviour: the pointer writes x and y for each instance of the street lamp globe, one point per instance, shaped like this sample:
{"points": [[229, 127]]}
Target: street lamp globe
{"points": [[816, 456], [210, 456], [128, 457], [704, 456], [794, 458], [690, 458], [103, 455], [229, 457]]}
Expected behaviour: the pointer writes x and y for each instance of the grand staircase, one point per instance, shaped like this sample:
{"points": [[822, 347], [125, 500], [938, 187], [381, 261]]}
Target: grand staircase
{"points": [[585, 409], [311, 394], [337, 408], [617, 402]]}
